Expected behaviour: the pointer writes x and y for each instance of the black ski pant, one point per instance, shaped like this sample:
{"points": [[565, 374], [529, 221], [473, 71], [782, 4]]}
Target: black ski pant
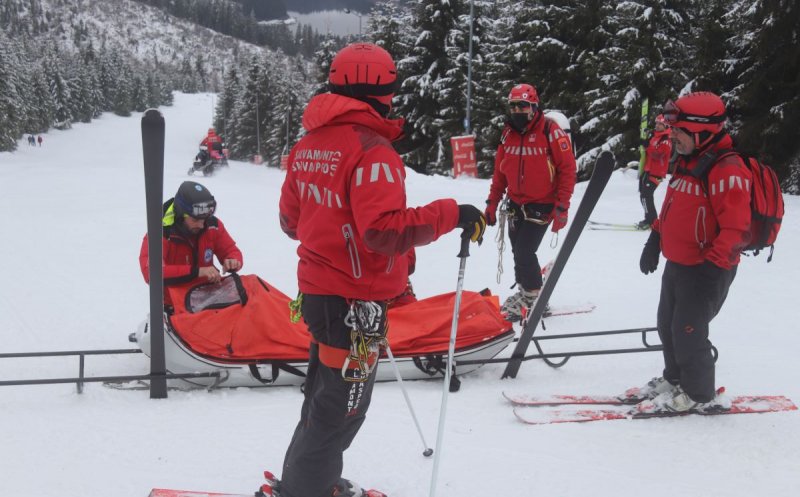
{"points": [[646, 190], [526, 235], [333, 409], [690, 298]]}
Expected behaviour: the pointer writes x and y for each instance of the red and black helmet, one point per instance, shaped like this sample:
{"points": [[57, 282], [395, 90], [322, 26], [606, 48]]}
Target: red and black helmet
{"points": [[696, 112], [524, 93], [364, 71]]}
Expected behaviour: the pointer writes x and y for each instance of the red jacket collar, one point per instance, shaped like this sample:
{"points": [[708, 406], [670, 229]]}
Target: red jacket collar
{"points": [[330, 109]]}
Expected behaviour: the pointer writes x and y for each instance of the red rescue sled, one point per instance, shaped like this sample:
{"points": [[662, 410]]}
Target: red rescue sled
{"points": [[241, 329]]}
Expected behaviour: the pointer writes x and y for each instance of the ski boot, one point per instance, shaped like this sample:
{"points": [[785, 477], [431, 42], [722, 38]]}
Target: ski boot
{"points": [[677, 402], [515, 305], [346, 488], [649, 391]]}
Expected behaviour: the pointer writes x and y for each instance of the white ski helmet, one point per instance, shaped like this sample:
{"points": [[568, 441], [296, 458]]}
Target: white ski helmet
{"points": [[561, 120]]}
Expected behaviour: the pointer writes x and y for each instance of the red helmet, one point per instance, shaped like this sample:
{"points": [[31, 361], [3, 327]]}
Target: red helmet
{"points": [[696, 112], [364, 71], [525, 93], [660, 120]]}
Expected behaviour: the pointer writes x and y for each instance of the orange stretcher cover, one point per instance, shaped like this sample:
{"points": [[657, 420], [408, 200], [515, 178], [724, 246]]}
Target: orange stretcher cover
{"points": [[260, 329]]}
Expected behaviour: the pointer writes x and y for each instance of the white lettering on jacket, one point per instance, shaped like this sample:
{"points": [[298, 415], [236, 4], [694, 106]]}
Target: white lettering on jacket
{"points": [[316, 161]]}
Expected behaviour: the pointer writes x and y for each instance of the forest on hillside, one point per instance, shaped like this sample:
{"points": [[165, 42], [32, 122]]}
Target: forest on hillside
{"points": [[595, 61]]}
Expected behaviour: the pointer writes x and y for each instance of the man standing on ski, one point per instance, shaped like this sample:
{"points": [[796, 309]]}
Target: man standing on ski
{"points": [[536, 166], [344, 199], [658, 151], [192, 237], [702, 228]]}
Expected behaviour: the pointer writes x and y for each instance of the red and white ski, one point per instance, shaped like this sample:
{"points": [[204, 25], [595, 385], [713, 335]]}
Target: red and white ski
{"points": [[566, 310], [268, 489], [750, 404], [522, 400], [166, 492]]}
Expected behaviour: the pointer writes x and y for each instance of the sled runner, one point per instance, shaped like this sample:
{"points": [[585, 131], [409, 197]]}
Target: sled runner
{"points": [[241, 328]]}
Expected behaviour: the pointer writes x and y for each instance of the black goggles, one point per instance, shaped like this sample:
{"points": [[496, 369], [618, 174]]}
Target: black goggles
{"points": [[520, 104], [202, 210], [673, 115]]}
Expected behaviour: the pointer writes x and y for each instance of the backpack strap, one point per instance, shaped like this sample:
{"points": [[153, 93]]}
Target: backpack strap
{"points": [[704, 165]]}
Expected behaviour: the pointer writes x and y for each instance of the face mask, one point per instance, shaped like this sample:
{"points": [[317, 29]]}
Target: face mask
{"points": [[519, 121]]}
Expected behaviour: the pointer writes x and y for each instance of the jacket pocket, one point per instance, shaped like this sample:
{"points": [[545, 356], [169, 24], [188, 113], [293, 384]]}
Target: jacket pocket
{"points": [[352, 251], [700, 231]]}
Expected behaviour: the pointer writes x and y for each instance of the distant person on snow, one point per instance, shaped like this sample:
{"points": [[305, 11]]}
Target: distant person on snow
{"points": [[350, 215], [213, 144], [701, 230], [192, 237], [40, 140], [536, 167], [658, 151], [31, 141]]}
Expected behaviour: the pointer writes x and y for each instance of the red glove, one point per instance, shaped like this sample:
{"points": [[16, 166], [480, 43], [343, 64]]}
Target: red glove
{"points": [[490, 213], [559, 216]]}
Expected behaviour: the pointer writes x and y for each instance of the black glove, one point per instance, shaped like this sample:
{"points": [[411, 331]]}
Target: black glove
{"points": [[648, 263], [471, 220]]}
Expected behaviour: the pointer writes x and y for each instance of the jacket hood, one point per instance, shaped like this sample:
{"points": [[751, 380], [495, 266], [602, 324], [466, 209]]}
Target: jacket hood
{"points": [[330, 109]]}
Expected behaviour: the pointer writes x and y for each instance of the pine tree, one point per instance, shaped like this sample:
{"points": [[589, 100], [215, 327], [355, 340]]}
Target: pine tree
{"points": [[10, 100], [767, 100]]}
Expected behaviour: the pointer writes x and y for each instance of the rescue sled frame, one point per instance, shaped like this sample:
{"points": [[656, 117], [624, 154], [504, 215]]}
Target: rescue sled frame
{"points": [[82, 378]]}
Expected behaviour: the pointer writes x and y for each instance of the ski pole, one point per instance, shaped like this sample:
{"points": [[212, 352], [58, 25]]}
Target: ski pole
{"points": [[428, 451], [463, 254]]}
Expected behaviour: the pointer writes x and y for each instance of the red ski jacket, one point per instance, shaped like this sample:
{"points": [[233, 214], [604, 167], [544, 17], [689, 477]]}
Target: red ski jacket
{"points": [[696, 226], [344, 199], [184, 255], [534, 168], [657, 155]]}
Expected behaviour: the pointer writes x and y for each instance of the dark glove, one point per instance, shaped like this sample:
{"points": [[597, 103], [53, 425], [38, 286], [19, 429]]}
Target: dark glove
{"points": [[490, 213], [559, 216], [471, 220], [644, 142], [648, 263]]}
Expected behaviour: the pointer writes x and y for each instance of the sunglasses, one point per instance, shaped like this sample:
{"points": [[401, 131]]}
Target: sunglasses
{"points": [[673, 114], [519, 104]]}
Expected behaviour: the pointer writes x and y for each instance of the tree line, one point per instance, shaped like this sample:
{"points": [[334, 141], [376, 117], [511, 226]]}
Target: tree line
{"points": [[595, 61]]}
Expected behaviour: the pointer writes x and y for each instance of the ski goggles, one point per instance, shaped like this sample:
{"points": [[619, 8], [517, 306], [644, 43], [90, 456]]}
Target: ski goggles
{"points": [[200, 210], [520, 104], [673, 115]]}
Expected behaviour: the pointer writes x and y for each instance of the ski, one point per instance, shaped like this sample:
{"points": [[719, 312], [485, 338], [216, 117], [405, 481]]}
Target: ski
{"points": [[749, 404], [643, 134], [597, 183], [594, 225], [269, 489], [568, 310], [166, 492], [153, 154], [521, 400]]}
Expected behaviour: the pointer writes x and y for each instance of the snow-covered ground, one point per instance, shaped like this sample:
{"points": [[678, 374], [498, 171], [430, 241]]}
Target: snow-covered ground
{"points": [[73, 216]]}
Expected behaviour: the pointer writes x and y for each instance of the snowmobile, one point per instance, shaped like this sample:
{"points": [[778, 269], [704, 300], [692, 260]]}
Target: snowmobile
{"points": [[203, 162], [241, 328]]}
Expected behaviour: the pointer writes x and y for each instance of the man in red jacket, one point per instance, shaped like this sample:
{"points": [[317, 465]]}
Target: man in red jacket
{"points": [[344, 199], [192, 237], [535, 166], [658, 152], [702, 228]]}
